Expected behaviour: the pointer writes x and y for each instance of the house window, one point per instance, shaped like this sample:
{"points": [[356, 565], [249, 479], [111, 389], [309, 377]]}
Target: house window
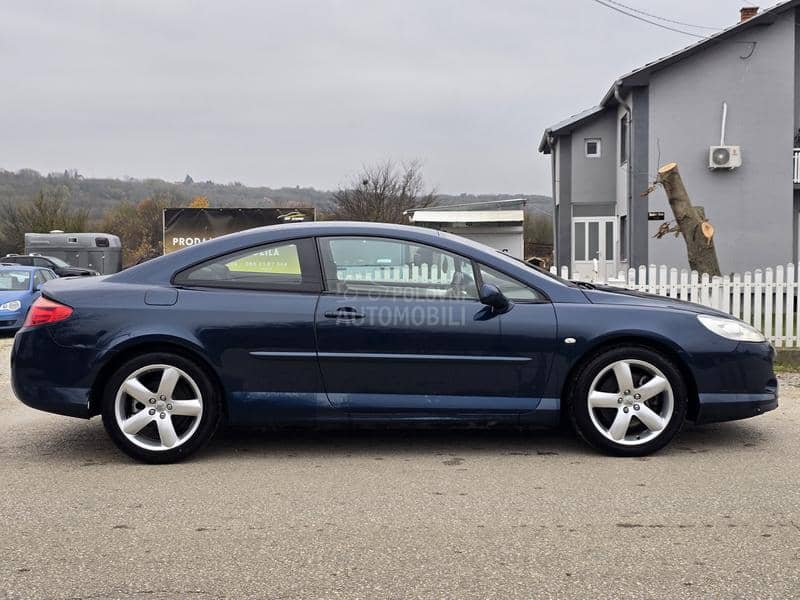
{"points": [[623, 140], [593, 148], [623, 238]]}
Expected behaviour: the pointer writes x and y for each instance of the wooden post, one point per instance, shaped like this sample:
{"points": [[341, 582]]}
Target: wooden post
{"points": [[699, 248]]}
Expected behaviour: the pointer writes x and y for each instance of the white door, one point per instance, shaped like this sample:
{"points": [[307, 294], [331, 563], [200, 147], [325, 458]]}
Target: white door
{"points": [[594, 243]]}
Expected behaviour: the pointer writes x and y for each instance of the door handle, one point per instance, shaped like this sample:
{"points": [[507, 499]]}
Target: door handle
{"points": [[344, 312]]}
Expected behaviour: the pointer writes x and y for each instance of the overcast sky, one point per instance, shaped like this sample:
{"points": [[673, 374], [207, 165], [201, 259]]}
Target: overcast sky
{"points": [[303, 92]]}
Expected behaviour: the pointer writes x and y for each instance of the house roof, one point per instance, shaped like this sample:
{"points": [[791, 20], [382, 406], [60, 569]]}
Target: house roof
{"points": [[567, 125], [641, 76], [468, 216]]}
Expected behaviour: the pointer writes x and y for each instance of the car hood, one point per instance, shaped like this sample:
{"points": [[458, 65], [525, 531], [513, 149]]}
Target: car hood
{"points": [[67, 271], [9, 295], [604, 294]]}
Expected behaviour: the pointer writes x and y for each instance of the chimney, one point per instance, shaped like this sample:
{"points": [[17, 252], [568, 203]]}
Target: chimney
{"points": [[747, 12]]}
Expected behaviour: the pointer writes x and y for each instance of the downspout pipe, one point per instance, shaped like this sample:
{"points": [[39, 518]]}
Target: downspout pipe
{"points": [[629, 113], [551, 142]]}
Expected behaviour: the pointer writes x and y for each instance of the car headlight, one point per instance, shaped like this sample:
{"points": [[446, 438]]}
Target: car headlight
{"points": [[13, 305], [731, 329]]}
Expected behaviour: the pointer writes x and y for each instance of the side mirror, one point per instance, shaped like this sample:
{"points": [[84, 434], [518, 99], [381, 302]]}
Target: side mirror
{"points": [[490, 295]]}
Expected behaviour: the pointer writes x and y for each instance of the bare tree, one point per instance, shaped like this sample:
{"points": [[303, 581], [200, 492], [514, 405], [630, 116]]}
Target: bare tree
{"points": [[381, 193], [691, 222]]}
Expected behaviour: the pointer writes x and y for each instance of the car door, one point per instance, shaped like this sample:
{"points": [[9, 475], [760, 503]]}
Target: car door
{"points": [[528, 328], [253, 310], [400, 329]]}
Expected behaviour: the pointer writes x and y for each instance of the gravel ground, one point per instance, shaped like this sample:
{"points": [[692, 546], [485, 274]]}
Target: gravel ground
{"points": [[399, 514]]}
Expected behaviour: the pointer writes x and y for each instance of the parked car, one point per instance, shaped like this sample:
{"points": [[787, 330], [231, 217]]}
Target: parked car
{"points": [[286, 324], [58, 266], [19, 287]]}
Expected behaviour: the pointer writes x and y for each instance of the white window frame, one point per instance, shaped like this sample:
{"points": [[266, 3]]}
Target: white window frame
{"points": [[597, 141], [601, 221]]}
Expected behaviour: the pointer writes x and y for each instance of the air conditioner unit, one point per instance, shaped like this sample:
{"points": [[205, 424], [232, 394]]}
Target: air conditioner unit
{"points": [[724, 157]]}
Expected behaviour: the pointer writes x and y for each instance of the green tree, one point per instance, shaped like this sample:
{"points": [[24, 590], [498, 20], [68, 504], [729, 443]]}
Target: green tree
{"points": [[140, 226], [538, 228], [50, 209]]}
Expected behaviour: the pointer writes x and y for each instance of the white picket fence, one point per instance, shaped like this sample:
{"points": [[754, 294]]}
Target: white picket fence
{"points": [[765, 298], [406, 273]]}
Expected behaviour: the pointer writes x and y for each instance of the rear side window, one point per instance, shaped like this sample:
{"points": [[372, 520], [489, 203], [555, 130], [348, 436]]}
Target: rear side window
{"points": [[284, 266], [21, 260]]}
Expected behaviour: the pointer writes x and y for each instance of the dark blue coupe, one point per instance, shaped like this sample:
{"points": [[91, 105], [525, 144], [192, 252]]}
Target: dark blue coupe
{"points": [[316, 323]]}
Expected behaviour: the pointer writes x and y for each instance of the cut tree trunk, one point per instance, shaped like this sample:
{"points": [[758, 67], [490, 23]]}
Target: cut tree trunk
{"points": [[700, 250]]}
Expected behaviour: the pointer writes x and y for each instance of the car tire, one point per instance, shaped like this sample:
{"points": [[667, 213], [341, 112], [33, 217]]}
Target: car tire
{"points": [[160, 407], [628, 401]]}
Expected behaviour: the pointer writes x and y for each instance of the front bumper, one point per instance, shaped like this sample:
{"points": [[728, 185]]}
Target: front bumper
{"points": [[731, 407], [11, 321], [736, 385]]}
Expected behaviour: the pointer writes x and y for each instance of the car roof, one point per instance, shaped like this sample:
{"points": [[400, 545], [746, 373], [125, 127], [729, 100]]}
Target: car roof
{"points": [[161, 270], [5, 267], [35, 255]]}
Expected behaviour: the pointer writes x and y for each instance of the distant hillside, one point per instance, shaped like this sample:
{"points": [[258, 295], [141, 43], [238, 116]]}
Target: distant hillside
{"points": [[98, 195]]}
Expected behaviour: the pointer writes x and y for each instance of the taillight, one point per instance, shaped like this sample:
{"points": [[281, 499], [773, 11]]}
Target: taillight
{"points": [[44, 311]]}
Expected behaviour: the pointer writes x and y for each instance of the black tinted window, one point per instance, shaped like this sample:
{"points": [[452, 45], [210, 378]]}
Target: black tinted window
{"points": [[287, 266]]}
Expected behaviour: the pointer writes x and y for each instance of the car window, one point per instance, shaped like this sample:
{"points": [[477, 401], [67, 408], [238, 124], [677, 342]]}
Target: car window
{"points": [[14, 281], [41, 262], [52, 260], [282, 266], [513, 289], [389, 267], [38, 278], [48, 275], [21, 260]]}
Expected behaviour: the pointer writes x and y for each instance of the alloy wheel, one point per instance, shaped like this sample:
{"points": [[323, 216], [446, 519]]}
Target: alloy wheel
{"points": [[158, 407], [631, 402]]}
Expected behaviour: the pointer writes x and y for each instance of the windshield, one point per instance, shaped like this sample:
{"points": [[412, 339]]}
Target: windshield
{"points": [[57, 261], [540, 270], [14, 280]]}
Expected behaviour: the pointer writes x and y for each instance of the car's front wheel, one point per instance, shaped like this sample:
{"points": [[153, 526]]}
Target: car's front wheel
{"points": [[160, 408], [628, 401]]}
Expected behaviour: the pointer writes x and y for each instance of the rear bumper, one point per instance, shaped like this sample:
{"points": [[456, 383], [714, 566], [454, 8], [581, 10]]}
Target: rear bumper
{"points": [[49, 377]]}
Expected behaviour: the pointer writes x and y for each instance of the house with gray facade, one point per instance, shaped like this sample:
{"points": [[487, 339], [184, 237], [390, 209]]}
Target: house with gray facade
{"points": [[727, 110]]}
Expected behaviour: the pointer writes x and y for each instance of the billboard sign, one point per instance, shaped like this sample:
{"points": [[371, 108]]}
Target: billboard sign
{"points": [[185, 227]]}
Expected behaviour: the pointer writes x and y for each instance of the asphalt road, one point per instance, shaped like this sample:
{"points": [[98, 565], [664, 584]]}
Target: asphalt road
{"points": [[399, 514]]}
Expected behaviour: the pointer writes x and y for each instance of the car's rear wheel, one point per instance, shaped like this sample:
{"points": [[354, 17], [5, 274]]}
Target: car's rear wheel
{"points": [[160, 408], [629, 401]]}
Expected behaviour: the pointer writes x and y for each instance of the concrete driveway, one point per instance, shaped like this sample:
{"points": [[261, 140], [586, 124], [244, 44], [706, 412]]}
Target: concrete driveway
{"points": [[399, 514]]}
